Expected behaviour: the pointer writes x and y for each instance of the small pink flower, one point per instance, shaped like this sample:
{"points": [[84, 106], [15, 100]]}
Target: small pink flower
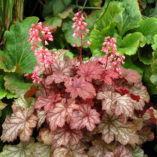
{"points": [[80, 28], [112, 58]]}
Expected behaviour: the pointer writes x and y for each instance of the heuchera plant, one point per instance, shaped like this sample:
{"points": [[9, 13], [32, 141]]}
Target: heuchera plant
{"points": [[93, 108]]}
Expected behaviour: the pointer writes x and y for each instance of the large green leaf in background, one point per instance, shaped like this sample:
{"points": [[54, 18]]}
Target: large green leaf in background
{"points": [[27, 149], [130, 43], [148, 28], [3, 92], [55, 6], [118, 14], [16, 84], [17, 54], [109, 16], [130, 18]]}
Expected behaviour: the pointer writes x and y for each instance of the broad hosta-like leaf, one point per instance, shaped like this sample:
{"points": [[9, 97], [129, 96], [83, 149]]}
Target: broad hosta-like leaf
{"points": [[84, 117], [109, 16], [3, 91], [112, 128], [145, 54], [16, 84], [20, 150], [61, 71], [130, 43], [97, 38], [64, 136], [17, 52], [60, 114], [121, 151], [54, 7], [53, 23], [91, 70], [42, 150], [115, 103], [20, 123], [72, 151], [130, 17], [148, 29], [80, 87]]}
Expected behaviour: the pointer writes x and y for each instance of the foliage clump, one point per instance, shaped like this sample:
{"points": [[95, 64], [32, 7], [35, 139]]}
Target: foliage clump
{"points": [[81, 109]]}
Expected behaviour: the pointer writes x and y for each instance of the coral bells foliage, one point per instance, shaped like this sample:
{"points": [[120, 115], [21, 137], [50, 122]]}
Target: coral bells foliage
{"points": [[93, 109]]}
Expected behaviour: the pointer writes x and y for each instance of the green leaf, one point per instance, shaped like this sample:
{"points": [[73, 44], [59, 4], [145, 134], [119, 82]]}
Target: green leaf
{"points": [[17, 52], [42, 150], [153, 79], [53, 23], [154, 67], [68, 32], [3, 92], [130, 18], [131, 64], [16, 84], [95, 3], [154, 45], [148, 29], [55, 6], [130, 43], [2, 105], [20, 150], [109, 16], [138, 152], [97, 39], [146, 79], [145, 54], [23, 103]]}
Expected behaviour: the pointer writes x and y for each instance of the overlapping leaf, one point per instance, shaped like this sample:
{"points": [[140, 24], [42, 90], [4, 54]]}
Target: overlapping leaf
{"points": [[20, 123], [42, 150], [73, 151], [16, 84], [115, 103], [80, 87], [41, 117], [47, 102], [45, 135], [60, 114], [121, 151], [112, 128], [91, 70], [84, 117], [17, 55], [20, 150], [61, 71], [64, 136]]}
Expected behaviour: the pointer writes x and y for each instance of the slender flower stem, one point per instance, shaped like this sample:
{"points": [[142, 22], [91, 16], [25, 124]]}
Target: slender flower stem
{"points": [[44, 88], [81, 51]]}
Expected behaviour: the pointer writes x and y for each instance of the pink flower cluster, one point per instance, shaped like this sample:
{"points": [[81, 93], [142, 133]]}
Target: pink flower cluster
{"points": [[80, 25], [112, 59], [44, 56], [38, 33]]}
